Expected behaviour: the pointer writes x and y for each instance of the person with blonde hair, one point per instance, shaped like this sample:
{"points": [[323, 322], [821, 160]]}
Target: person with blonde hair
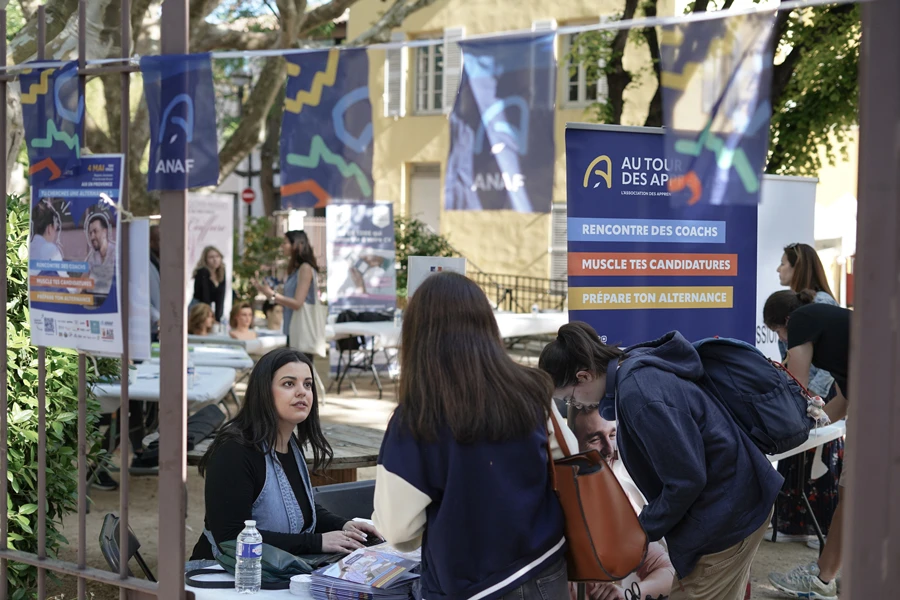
{"points": [[201, 319], [209, 280]]}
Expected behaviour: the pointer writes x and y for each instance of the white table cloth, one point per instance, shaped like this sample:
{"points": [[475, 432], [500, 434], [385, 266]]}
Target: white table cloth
{"points": [[211, 385], [207, 355], [817, 437], [267, 340]]}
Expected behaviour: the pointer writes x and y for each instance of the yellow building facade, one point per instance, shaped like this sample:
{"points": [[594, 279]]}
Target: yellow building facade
{"points": [[412, 93]]}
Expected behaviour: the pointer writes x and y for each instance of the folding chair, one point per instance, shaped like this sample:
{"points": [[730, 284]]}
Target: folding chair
{"points": [[109, 546]]}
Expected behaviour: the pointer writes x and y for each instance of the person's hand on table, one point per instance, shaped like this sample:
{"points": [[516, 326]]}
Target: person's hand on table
{"points": [[342, 541], [362, 528]]}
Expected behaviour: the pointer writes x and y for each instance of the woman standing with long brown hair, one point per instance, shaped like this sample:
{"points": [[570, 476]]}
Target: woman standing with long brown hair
{"points": [[801, 270], [464, 464]]}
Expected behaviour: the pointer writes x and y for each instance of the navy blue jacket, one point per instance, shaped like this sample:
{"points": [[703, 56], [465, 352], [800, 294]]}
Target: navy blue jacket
{"points": [[707, 485], [486, 513]]}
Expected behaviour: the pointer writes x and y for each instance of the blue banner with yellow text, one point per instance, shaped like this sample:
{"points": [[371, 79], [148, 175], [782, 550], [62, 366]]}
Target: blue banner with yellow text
{"points": [[639, 267], [502, 151], [716, 79], [326, 129], [53, 114], [180, 97]]}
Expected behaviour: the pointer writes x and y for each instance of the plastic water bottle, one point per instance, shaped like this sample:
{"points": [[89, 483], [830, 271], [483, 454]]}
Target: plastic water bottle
{"points": [[191, 371], [398, 317], [248, 555]]}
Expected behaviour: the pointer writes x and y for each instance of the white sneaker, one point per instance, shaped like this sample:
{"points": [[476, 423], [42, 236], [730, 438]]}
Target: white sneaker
{"points": [[787, 538], [804, 582], [814, 542]]}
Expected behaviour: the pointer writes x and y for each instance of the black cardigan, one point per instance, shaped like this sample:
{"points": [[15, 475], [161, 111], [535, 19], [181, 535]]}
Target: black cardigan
{"points": [[235, 476], [205, 291]]}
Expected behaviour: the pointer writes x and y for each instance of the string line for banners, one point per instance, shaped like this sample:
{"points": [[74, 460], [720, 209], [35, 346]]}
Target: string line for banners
{"points": [[637, 23]]}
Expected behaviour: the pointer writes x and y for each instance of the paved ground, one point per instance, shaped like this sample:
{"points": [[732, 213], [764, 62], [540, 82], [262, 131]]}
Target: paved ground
{"points": [[364, 410]]}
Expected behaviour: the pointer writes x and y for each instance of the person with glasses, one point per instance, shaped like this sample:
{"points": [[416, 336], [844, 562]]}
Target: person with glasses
{"points": [[800, 269], [709, 490]]}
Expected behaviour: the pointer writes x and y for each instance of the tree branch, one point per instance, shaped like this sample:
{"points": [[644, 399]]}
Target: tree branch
{"points": [[655, 114], [210, 37], [24, 45], [727, 4], [29, 8], [323, 14], [700, 6], [394, 17]]}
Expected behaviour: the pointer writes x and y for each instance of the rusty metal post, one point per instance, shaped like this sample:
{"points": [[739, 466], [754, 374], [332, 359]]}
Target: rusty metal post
{"points": [[174, 37], [871, 548], [4, 458], [82, 472]]}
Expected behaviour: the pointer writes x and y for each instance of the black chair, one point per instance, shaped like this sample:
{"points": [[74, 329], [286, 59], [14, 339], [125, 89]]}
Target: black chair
{"points": [[360, 355], [348, 500], [109, 546]]}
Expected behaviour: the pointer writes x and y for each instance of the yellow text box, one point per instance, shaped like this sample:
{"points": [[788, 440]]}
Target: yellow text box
{"points": [[62, 298], [639, 298]]}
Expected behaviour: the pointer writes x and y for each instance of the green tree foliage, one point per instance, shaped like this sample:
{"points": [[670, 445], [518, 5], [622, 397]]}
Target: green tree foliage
{"points": [[815, 88], [261, 250], [22, 416]]}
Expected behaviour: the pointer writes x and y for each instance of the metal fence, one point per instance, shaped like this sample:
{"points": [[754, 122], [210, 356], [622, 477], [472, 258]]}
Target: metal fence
{"points": [[173, 406], [518, 293]]}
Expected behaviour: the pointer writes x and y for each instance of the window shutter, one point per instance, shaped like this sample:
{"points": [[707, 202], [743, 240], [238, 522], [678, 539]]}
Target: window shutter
{"points": [[395, 79], [453, 65], [602, 83], [559, 246]]}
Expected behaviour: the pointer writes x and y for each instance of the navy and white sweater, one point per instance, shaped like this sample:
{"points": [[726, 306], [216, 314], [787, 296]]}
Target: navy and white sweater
{"points": [[485, 514]]}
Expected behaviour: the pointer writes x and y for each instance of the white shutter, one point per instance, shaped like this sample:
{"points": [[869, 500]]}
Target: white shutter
{"points": [[395, 79], [559, 246], [544, 25], [453, 65]]}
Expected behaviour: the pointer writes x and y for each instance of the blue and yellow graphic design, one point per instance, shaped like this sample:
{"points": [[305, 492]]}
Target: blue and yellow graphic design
{"points": [[326, 130], [716, 78], [53, 113]]}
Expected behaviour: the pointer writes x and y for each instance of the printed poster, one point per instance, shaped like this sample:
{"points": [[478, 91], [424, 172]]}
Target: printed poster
{"points": [[74, 259], [638, 267], [361, 258], [210, 229]]}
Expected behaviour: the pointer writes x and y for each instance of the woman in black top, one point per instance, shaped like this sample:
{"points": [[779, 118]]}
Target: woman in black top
{"points": [[255, 468], [209, 280]]}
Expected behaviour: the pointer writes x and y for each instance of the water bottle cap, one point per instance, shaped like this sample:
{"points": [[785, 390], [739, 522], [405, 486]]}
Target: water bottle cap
{"points": [[250, 523]]}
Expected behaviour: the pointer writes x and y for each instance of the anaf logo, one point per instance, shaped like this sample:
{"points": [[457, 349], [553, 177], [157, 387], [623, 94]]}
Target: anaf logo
{"points": [[186, 124], [606, 175]]}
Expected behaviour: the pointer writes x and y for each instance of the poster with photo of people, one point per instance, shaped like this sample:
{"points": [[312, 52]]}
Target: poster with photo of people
{"points": [[74, 258]]}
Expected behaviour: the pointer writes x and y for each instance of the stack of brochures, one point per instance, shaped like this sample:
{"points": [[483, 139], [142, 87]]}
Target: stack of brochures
{"points": [[377, 573]]}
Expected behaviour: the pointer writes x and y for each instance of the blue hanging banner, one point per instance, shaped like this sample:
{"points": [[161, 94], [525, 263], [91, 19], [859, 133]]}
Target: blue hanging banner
{"points": [[326, 129], [502, 150], [183, 145], [716, 79], [53, 114]]}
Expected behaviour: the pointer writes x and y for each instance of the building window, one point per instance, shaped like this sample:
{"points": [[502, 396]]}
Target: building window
{"points": [[584, 85], [430, 79]]}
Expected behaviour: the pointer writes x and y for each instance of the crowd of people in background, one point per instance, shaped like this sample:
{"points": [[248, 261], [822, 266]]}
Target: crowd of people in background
{"points": [[467, 413]]}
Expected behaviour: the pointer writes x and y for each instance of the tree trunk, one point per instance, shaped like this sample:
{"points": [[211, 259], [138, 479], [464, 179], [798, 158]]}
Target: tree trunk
{"points": [[269, 156], [655, 114], [616, 76]]}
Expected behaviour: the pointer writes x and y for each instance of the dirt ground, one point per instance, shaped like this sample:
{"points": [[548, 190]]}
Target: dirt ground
{"points": [[363, 410]]}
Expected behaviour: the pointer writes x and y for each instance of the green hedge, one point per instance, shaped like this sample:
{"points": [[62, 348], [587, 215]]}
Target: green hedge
{"points": [[62, 417]]}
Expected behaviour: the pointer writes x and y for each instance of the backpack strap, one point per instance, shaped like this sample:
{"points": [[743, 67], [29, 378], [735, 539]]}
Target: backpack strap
{"points": [[607, 406], [189, 579]]}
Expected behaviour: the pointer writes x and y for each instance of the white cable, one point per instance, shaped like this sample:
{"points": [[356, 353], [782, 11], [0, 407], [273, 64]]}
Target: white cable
{"points": [[639, 23]]}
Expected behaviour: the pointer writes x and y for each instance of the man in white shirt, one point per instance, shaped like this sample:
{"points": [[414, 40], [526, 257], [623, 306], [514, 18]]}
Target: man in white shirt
{"points": [[102, 257]]}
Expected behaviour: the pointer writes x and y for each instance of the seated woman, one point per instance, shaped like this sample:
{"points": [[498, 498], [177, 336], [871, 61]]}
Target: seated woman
{"points": [[241, 321], [201, 319], [656, 575], [255, 468]]}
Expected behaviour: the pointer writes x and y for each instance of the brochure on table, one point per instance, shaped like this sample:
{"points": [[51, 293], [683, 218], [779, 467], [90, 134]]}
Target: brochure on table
{"points": [[420, 267]]}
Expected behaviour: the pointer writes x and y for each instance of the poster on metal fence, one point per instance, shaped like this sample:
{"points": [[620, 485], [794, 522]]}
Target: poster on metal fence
{"points": [[73, 267], [361, 273], [210, 247], [638, 267]]}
